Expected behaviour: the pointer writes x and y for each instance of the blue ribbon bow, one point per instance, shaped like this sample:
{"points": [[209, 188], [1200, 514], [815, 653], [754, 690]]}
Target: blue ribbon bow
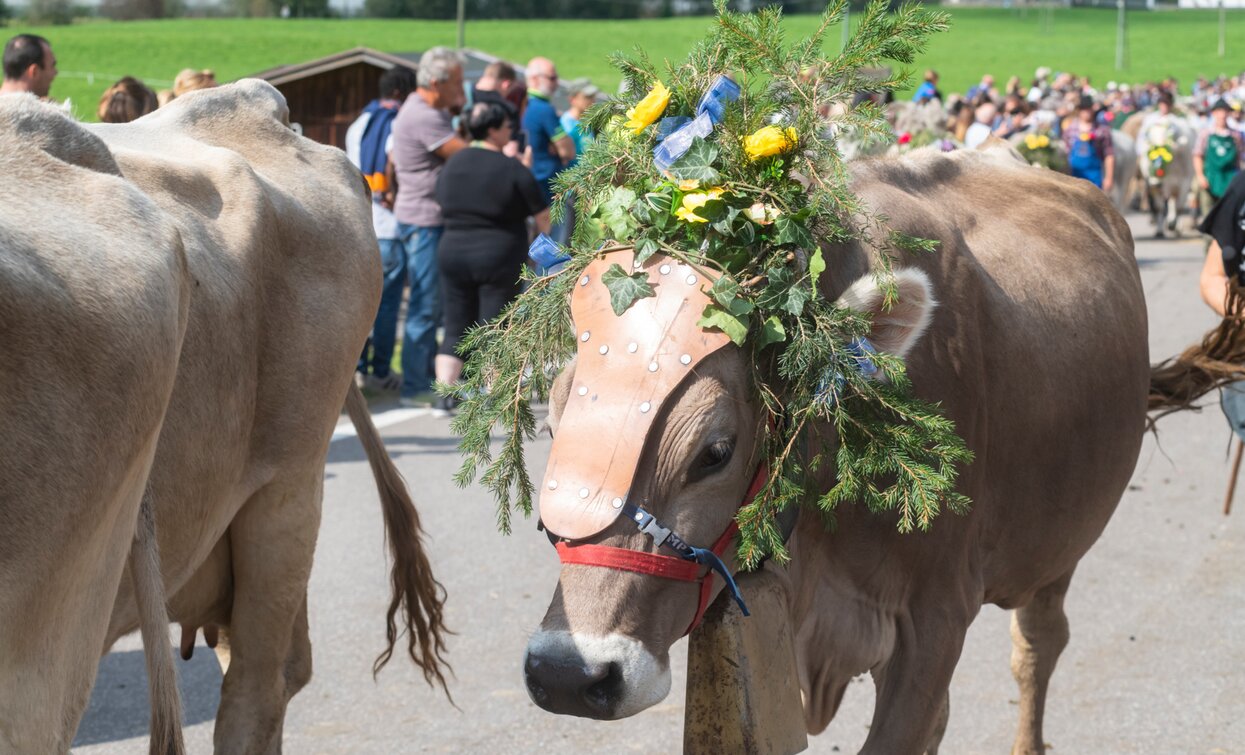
{"points": [[675, 134]]}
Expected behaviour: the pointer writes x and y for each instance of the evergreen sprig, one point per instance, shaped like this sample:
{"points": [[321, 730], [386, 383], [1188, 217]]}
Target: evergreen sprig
{"points": [[752, 203]]}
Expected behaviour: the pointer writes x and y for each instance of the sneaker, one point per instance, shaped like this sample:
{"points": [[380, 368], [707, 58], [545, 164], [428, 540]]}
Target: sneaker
{"points": [[444, 406], [383, 384], [422, 400]]}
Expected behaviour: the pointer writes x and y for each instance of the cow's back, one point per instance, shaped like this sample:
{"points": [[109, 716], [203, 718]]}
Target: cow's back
{"points": [[92, 307], [1038, 350]]}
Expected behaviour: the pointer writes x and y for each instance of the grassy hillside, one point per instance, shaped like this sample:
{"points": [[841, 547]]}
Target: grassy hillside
{"points": [[1001, 42]]}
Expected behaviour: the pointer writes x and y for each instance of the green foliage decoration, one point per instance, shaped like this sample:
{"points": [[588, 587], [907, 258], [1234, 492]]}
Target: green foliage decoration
{"points": [[749, 202]]}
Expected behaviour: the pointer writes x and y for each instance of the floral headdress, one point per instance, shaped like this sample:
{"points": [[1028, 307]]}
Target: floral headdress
{"points": [[723, 163]]}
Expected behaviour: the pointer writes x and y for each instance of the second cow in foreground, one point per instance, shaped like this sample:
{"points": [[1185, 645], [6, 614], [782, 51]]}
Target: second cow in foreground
{"points": [[1045, 377], [285, 280]]}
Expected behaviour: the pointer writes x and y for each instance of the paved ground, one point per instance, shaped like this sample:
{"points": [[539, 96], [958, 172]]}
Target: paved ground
{"points": [[1157, 611]]}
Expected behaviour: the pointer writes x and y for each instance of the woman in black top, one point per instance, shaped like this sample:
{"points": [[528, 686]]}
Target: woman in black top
{"points": [[1225, 224], [486, 199]]}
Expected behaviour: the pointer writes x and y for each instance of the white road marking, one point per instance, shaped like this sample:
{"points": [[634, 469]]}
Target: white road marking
{"points": [[382, 420]]}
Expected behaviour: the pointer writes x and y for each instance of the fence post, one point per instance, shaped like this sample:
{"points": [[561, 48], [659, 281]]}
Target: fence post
{"points": [[743, 691]]}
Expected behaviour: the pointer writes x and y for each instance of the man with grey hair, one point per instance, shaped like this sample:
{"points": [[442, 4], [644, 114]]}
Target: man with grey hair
{"points": [[552, 149], [423, 139]]}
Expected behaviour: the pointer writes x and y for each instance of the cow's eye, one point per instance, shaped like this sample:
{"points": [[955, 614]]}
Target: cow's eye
{"points": [[715, 456]]}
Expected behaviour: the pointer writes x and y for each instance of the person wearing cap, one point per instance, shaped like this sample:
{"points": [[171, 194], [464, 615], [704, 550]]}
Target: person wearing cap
{"points": [[1216, 156], [583, 95], [1090, 153]]}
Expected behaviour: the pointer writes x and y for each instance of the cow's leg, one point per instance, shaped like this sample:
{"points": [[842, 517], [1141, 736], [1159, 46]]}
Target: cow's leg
{"points": [[912, 687], [1039, 635], [1156, 210], [272, 541], [940, 728]]}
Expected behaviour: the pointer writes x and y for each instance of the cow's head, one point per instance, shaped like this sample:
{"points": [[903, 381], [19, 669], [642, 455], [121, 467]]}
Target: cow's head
{"points": [[1161, 141], [659, 413]]}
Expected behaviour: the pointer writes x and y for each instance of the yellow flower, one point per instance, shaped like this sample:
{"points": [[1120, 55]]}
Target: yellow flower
{"points": [[648, 109], [770, 140], [694, 201], [1160, 153], [1037, 141], [690, 184], [763, 214]]}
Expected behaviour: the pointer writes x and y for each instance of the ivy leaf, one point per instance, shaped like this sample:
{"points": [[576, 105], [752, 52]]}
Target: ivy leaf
{"points": [[644, 249], [733, 325], [797, 297], [625, 290], [772, 331], [659, 201], [615, 212], [724, 290], [816, 266], [697, 163], [790, 231]]}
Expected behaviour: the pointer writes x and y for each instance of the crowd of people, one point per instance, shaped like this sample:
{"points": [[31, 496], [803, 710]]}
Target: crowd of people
{"points": [[460, 180], [1069, 108]]}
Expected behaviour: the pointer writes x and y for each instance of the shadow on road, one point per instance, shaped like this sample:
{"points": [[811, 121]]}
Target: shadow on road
{"points": [[119, 710]]}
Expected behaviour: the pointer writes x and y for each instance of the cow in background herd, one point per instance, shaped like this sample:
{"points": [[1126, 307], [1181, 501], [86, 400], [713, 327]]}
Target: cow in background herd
{"points": [[1165, 159], [188, 295]]}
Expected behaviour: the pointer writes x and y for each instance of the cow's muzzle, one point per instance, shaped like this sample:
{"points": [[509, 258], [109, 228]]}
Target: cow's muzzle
{"points": [[602, 677]]}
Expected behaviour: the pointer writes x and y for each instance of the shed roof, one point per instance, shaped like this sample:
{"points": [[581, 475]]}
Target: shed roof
{"points": [[474, 64]]}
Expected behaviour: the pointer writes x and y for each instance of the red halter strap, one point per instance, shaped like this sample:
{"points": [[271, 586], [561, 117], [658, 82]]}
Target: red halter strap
{"points": [[657, 565]]}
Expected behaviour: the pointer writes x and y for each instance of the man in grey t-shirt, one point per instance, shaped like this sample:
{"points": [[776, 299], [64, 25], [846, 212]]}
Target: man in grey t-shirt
{"points": [[423, 139]]}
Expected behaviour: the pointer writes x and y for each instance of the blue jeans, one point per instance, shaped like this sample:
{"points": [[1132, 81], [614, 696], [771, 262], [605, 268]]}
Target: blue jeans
{"points": [[423, 313], [378, 353]]}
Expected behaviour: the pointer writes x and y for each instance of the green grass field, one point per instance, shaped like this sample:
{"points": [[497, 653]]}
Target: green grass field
{"points": [[1002, 42]]}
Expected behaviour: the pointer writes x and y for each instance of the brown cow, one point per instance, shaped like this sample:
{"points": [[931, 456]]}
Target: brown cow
{"points": [[1039, 353]]}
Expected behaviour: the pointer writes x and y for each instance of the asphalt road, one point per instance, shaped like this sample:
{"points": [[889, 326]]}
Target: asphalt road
{"points": [[1157, 609]]}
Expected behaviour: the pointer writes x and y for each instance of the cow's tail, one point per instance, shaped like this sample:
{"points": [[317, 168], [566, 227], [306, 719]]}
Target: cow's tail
{"points": [[1219, 359], [419, 596], [153, 619]]}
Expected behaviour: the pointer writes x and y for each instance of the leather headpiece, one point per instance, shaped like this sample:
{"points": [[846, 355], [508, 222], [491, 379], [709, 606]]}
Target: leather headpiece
{"points": [[626, 369]]}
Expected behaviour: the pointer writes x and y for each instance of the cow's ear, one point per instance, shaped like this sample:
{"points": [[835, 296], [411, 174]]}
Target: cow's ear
{"points": [[897, 329]]}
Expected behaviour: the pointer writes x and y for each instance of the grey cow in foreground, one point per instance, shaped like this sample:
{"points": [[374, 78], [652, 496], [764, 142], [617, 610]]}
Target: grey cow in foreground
{"points": [[269, 238]]}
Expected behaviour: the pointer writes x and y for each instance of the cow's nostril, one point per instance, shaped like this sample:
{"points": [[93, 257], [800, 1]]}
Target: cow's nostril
{"points": [[531, 674], [602, 696]]}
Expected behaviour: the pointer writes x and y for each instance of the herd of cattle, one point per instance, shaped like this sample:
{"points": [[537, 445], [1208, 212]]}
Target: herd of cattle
{"points": [[182, 301], [1165, 188]]}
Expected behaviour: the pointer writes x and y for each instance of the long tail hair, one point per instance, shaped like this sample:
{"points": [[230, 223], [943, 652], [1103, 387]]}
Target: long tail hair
{"points": [[1177, 383]]}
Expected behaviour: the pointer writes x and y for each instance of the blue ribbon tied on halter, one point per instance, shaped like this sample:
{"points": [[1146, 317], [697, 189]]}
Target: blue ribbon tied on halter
{"points": [[675, 134]]}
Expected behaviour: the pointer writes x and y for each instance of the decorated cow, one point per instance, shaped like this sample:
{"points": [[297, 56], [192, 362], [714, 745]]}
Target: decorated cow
{"points": [[1164, 151], [769, 350]]}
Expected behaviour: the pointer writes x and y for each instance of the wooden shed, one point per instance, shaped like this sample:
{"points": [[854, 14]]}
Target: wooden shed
{"points": [[327, 94]]}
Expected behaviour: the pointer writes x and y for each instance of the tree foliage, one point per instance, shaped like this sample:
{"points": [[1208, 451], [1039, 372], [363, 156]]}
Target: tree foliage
{"points": [[752, 200]]}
